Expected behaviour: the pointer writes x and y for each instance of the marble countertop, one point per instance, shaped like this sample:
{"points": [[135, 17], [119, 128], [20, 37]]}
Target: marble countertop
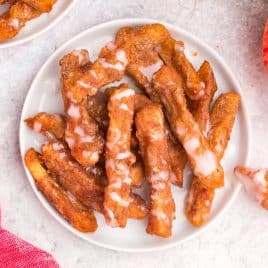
{"points": [[234, 29]]}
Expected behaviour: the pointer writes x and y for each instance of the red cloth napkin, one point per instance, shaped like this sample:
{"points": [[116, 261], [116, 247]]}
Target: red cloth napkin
{"points": [[17, 253], [265, 46]]}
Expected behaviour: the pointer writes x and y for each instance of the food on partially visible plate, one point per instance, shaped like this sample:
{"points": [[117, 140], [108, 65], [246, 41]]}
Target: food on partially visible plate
{"points": [[19, 13], [255, 182], [113, 140]]}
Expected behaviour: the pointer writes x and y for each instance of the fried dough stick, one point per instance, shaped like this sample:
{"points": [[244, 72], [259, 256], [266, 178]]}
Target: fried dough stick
{"points": [[83, 185], [200, 108], [82, 132], [143, 76], [41, 5], [153, 146], [200, 111], [76, 214], [53, 126], [255, 182], [194, 87], [118, 156], [12, 21], [203, 161], [222, 117], [50, 125]]}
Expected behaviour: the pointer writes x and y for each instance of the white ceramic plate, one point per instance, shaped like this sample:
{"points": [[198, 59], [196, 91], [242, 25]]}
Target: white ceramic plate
{"points": [[44, 95], [39, 25]]}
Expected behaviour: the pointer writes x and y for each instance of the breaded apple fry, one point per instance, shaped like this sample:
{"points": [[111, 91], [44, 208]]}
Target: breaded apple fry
{"points": [[194, 86], [118, 156], [203, 161], [83, 185], [199, 199], [41, 5], [50, 125], [255, 182], [82, 132], [76, 214], [153, 146], [200, 108], [12, 21]]}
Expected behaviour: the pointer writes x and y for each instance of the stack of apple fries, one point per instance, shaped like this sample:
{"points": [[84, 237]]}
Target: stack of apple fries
{"points": [[111, 141]]}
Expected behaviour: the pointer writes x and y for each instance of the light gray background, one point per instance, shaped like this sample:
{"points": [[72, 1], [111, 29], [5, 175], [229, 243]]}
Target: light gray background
{"points": [[234, 28]]}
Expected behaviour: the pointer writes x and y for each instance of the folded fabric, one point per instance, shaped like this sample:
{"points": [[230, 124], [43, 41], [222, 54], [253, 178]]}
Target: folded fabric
{"points": [[17, 253]]}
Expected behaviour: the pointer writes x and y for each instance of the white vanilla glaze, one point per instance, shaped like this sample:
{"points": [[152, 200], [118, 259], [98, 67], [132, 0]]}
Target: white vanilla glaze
{"points": [[56, 146], [74, 111], [118, 199], [124, 94], [206, 163], [150, 70], [112, 220], [81, 55], [155, 134], [179, 48], [14, 23], [123, 155], [160, 176], [37, 126], [124, 107], [160, 215], [191, 145], [122, 57]]}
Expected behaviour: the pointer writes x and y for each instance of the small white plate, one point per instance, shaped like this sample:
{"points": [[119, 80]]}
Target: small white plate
{"points": [[39, 25], [44, 95]]}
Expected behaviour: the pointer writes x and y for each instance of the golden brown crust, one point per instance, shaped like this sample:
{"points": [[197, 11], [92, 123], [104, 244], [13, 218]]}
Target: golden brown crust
{"points": [[154, 151], [15, 18], [86, 187], [203, 161], [41, 5], [118, 156], [222, 116], [82, 132], [50, 125], [194, 87], [200, 108], [76, 214]]}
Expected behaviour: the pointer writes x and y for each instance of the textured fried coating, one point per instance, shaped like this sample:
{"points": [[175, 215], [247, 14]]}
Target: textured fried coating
{"points": [[222, 116], [41, 5], [203, 161], [200, 108], [12, 21], [76, 214], [194, 87], [82, 132], [50, 125], [72, 176], [104, 70], [137, 173], [255, 182], [97, 109], [85, 186], [71, 70], [178, 158], [118, 156], [154, 151], [83, 135]]}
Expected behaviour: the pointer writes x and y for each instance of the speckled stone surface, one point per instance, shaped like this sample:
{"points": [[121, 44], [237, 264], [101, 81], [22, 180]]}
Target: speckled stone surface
{"points": [[234, 28]]}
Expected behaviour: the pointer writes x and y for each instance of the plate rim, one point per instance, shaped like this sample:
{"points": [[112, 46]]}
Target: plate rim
{"points": [[243, 108], [31, 37]]}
